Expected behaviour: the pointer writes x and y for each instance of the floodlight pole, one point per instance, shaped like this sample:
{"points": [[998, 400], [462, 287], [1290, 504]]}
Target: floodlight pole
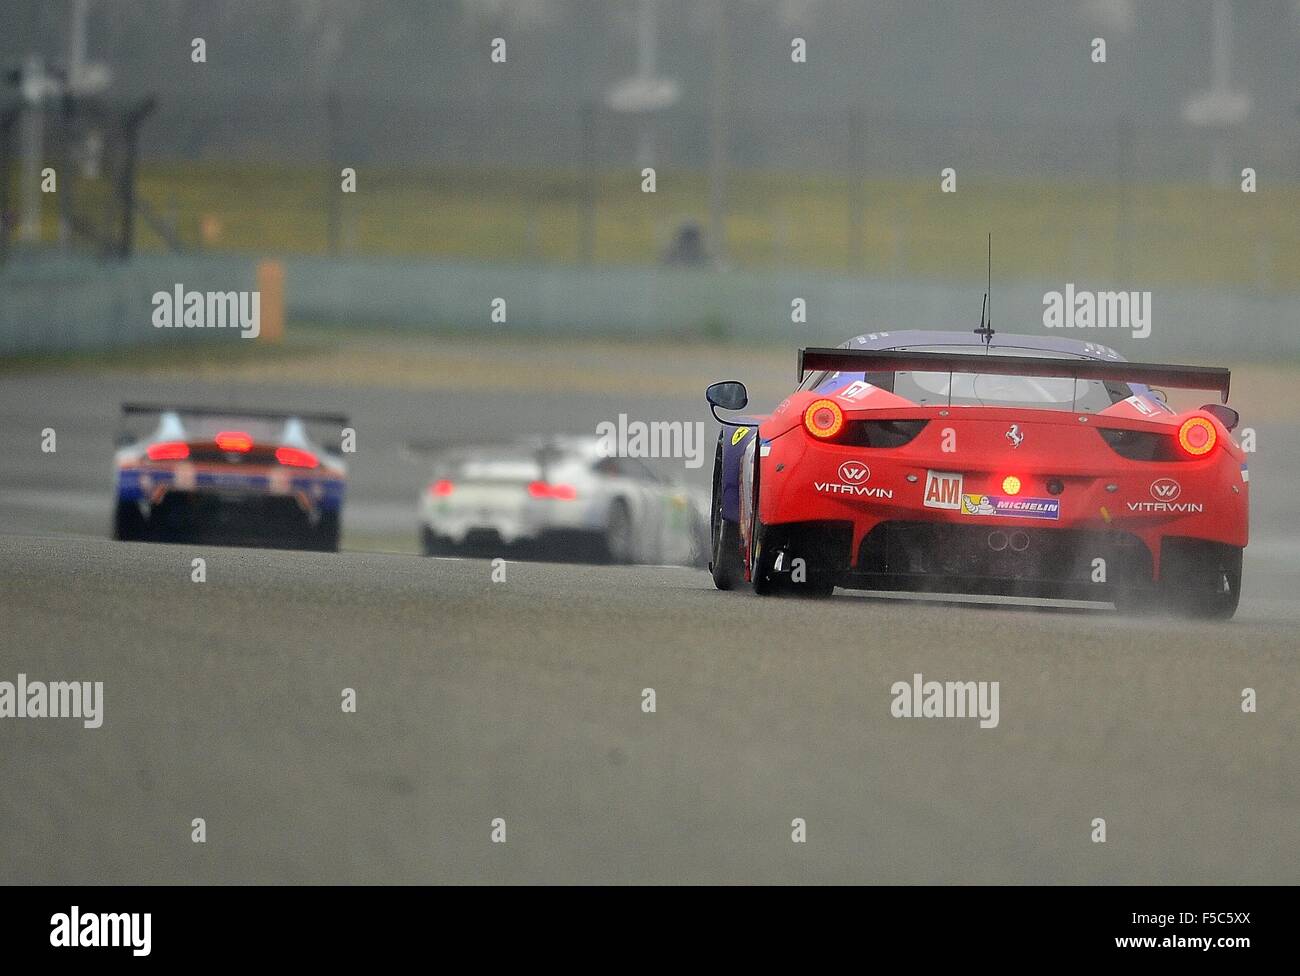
{"points": [[646, 55], [32, 136], [718, 138]]}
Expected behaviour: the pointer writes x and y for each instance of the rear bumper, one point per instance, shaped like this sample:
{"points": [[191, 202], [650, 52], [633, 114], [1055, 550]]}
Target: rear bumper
{"points": [[526, 522], [923, 557], [183, 486], [868, 514]]}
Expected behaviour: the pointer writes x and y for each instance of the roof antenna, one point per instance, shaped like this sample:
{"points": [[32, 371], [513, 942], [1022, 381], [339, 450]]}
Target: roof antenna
{"points": [[985, 331]]}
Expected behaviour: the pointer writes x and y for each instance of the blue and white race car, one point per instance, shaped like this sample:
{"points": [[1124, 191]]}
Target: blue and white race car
{"points": [[230, 477]]}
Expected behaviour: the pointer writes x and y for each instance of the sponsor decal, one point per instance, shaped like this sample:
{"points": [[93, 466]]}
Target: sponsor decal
{"points": [[1180, 508], [1245, 473], [1166, 490], [739, 435], [942, 490], [852, 475], [1140, 404], [1015, 436], [1011, 507], [858, 491], [854, 472], [855, 390]]}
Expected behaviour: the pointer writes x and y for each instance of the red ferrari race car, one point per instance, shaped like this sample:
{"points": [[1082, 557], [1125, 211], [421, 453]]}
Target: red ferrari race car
{"points": [[951, 462]]}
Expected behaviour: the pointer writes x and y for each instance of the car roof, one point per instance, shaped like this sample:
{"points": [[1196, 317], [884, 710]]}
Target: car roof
{"points": [[1004, 342]]}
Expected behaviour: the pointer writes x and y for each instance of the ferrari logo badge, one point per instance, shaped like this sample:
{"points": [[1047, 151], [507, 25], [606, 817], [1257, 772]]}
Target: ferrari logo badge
{"points": [[1015, 436]]}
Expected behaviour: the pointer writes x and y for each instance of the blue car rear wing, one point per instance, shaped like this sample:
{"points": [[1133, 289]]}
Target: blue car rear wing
{"points": [[816, 359]]}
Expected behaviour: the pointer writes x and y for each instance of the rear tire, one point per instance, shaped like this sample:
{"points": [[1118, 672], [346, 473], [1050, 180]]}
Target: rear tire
{"points": [[433, 545], [761, 574], [1201, 580], [618, 544], [767, 581], [725, 564], [325, 536], [128, 524]]}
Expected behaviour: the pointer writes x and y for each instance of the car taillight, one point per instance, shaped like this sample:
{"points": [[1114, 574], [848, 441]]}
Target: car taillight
{"points": [[1197, 436], [235, 441], [169, 451], [542, 489], [295, 458], [823, 419], [442, 487]]}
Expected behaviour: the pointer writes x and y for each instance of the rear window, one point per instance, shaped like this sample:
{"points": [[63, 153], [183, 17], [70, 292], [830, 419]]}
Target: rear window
{"points": [[498, 469], [508, 463], [207, 427], [975, 389]]}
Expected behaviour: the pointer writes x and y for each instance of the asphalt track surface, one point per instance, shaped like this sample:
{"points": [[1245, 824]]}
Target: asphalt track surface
{"points": [[522, 700]]}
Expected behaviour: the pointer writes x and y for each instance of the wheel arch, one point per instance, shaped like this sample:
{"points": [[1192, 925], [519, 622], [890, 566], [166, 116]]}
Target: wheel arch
{"points": [[732, 444]]}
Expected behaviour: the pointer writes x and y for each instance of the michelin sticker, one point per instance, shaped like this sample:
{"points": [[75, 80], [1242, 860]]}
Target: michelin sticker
{"points": [[1034, 508]]}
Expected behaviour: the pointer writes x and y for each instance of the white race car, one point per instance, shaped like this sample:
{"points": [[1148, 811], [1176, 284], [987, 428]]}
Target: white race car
{"points": [[560, 498]]}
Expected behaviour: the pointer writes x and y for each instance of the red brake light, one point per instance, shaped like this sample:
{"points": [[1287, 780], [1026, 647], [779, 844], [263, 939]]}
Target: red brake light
{"points": [[441, 487], [169, 451], [296, 458], [1197, 436], [823, 418], [234, 440], [540, 489]]}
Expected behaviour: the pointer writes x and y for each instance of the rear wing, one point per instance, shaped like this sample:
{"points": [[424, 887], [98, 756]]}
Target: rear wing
{"points": [[815, 359], [234, 412]]}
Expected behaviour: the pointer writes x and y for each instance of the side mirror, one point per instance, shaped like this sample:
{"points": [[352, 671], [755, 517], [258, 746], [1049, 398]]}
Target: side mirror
{"points": [[1225, 415], [730, 395]]}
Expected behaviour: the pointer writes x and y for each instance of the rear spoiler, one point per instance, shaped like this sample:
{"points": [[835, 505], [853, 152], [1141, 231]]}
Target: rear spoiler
{"points": [[814, 359], [306, 416]]}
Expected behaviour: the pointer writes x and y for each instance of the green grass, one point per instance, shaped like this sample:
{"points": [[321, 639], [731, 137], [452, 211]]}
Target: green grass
{"points": [[169, 356], [1146, 235]]}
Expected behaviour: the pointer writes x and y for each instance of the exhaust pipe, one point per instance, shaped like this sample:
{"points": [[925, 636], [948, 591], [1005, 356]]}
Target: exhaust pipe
{"points": [[997, 540], [1019, 541]]}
